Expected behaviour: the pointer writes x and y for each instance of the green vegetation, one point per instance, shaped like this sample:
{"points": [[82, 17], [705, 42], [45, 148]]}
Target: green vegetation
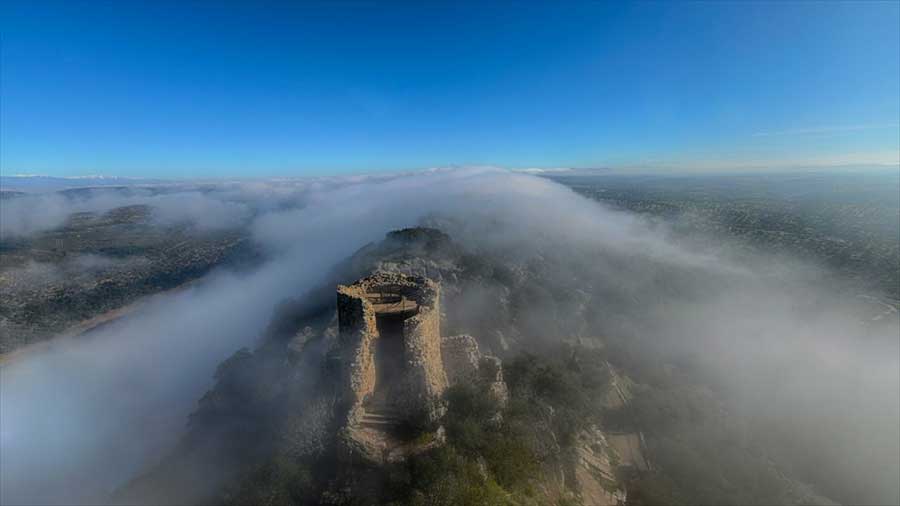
{"points": [[100, 262], [494, 454], [501, 455], [279, 481], [443, 477], [486, 460], [568, 382]]}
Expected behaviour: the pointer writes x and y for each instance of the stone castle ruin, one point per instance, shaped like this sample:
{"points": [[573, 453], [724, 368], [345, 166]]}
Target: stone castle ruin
{"points": [[396, 365]]}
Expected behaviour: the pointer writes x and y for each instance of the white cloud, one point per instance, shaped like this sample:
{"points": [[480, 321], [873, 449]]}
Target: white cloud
{"points": [[84, 416]]}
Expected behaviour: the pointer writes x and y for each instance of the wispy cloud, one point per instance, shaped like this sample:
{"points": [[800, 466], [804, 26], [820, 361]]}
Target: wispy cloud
{"points": [[826, 129]]}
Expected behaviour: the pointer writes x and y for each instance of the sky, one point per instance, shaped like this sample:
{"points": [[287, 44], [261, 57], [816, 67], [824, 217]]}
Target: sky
{"points": [[205, 89]]}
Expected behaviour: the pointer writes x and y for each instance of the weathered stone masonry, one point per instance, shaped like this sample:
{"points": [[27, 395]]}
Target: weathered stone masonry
{"points": [[391, 296], [396, 366]]}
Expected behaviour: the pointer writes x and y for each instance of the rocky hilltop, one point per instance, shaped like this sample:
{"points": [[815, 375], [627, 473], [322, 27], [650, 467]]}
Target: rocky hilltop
{"points": [[425, 373]]}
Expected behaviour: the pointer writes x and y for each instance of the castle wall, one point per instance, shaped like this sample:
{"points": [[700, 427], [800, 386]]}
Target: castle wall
{"points": [[357, 330], [386, 383], [425, 371], [424, 379]]}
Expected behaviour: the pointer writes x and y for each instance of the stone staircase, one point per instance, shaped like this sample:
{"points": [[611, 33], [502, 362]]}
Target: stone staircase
{"points": [[380, 415], [385, 421], [382, 433]]}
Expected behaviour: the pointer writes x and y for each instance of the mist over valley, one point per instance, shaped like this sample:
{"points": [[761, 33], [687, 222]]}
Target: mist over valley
{"points": [[738, 361]]}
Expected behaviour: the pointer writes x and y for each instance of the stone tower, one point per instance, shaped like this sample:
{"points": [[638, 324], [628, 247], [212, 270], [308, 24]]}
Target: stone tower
{"points": [[390, 341]]}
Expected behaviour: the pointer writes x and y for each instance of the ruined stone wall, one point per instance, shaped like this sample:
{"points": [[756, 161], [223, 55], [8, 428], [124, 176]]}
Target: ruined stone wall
{"points": [[425, 380], [429, 364], [357, 331]]}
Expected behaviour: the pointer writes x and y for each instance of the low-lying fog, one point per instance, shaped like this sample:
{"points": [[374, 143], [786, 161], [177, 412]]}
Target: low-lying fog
{"points": [[81, 416]]}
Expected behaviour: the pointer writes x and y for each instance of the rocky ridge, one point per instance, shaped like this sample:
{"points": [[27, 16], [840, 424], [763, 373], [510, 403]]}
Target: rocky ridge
{"points": [[558, 425]]}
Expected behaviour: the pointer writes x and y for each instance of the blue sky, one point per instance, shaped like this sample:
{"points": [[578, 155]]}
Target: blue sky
{"points": [[199, 89]]}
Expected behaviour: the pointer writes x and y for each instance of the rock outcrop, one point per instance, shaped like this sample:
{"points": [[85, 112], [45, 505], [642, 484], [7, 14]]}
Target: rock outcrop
{"points": [[464, 363], [594, 470]]}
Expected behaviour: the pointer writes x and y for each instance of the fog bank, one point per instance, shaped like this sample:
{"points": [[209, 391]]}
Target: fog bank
{"points": [[83, 416]]}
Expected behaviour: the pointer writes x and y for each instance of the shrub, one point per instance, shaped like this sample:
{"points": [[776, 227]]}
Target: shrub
{"points": [[278, 481], [445, 478]]}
